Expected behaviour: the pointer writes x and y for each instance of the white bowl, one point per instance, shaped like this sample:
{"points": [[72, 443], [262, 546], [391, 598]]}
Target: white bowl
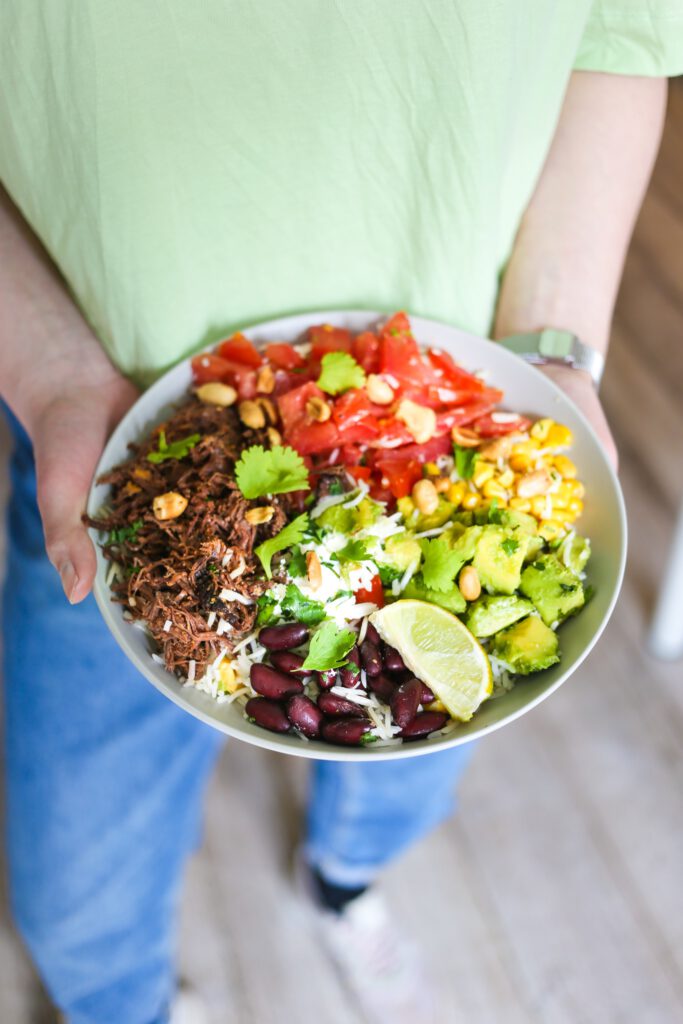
{"points": [[526, 390]]}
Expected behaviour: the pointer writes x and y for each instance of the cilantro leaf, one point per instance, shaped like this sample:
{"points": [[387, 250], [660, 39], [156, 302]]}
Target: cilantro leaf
{"points": [[339, 372], [297, 562], [465, 461], [509, 545], [568, 588], [495, 514], [125, 534], [275, 471], [266, 605], [329, 647], [336, 486], [388, 573], [441, 563], [176, 450], [355, 551], [286, 538], [296, 605]]}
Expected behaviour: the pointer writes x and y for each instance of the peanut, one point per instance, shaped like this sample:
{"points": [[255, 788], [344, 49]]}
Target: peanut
{"points": [[251, 414], [313, 569], [169, 505], [268, 408], [465, 437], [468, 583], [532, 484], [318, 409], [379, 391], [499, 448], [425, 496], [274, 436], [262, 514], [419, 419], [215, 393], [265, 380], [442, 485]]}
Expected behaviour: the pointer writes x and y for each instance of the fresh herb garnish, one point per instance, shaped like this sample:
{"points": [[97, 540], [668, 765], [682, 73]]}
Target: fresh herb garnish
{"points": [[336, 486], [296, 605], [509, 545], [568, 588], [329, 647], [495, 514], [441, 563], [354, 551], [286, 538], [297, 562], [465, 461], [175, 450], [125, 534], [275, 471], [387, 574], [266, 605], [339, 372]]}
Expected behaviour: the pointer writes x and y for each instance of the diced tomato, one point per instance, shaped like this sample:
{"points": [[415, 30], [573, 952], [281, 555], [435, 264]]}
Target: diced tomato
{"points": [[353, 414], [399, 323], [399, 476], [292, 404], [350, 455], [240, 350], [365, 350], [312, 438], [400, 357], [284, 357], [324, 338], [359, 472], [485, 426], [374, 593], [428, 452], [207, 367], [452, 375]]}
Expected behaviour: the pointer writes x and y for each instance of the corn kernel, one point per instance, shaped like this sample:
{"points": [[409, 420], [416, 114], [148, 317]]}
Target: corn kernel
{"points": [[521, 463], [559, 436], [492, 489], [551, 529], [456, 492], [229, 680], [541, 429], [565, 467], [507, 478], [577, 488], [540, 507], [575, 506], [520, 504], [431, 469], [528, 448], [482, 473], [470, 500]]}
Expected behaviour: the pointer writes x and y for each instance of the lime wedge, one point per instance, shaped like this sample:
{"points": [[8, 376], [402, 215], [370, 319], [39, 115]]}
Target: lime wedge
{"points": [[440, 651]]}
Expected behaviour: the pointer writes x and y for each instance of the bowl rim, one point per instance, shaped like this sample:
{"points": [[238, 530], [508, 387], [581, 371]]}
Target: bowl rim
{"points": [[316, 750]]}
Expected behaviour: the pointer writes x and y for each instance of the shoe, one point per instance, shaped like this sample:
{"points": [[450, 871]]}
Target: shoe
{"points": [[188, 1008], [379, 966]]}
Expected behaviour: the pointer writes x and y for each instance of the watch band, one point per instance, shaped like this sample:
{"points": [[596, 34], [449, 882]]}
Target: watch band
{"points": [[559, 347]]}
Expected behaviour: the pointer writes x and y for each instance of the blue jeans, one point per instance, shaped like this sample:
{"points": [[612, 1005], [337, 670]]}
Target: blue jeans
{"points": [[105, 779]]}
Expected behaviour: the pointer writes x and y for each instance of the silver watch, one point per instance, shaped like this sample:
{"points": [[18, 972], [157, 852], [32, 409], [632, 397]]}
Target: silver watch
{"points": [[560, 347]]}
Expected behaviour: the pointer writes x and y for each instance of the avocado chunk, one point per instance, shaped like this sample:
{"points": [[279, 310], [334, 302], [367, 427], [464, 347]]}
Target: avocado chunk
{"points": [[574, 552], [555, 590], [534, 547], [491, 613], [452, 600], [367, 512], [401, 550], [528, 646], [338, 518], [498, 558], [435, 519]]}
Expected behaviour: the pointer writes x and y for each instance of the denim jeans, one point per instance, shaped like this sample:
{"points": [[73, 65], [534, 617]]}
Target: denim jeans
{"points": [[104, 789]]}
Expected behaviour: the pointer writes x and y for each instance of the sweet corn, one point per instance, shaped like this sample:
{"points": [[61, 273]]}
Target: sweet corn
{"points": [[559, 436], [577, 488], [483, 472], [506, 479], [442, 484], [541, 429], [529, 448], [521, 463], [492, 489], [456, 492], [470, 500], [565, 467], [431, 469], [229, 680], [551, 529], [520, 504], [541, 507], [575, 506]]}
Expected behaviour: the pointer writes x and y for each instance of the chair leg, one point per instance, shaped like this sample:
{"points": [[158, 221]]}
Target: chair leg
{"points": [[665, 639]]}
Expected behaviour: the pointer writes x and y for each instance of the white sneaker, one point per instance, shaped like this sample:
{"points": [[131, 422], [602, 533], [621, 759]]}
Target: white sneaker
{"points": [[188, 1008], [380, 967]]}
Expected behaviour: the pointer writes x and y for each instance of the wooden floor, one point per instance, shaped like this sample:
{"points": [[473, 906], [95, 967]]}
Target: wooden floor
{"points": [[556, 894]]}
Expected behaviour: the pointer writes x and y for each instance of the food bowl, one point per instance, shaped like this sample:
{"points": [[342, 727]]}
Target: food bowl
{"points": [[525, 390]]}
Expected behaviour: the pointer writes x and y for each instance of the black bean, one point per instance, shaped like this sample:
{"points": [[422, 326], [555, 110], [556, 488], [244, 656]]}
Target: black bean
{"points": [[382, 686], [346, 731], [303, 714], [423, 724], [370, 658], [349, 676], [273, 684], [372, 635], [268, 714], [405, 702], [393, 662], [283, 638], [287, 661], [331, 704]]}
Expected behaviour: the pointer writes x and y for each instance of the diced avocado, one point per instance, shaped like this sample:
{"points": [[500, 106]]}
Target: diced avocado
{"points": [[437, 518], [464, 516], [535, 546], [401, 551], [465, 542], [528, 646], [513, 520], [451, 600], [555, 590], [367, 512], [338, 518], [574, 552], [491, 613], [498, 558], [406, 506]]}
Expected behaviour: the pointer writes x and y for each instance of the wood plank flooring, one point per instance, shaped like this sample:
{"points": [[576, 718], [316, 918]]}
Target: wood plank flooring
{"points": [[555, 894]]}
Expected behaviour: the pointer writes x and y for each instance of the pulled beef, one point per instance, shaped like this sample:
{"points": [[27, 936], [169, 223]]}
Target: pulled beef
{"points": [[172, 573]]}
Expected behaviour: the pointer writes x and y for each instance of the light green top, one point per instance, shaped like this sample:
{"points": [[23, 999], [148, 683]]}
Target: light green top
{"points": [[195, 166]]}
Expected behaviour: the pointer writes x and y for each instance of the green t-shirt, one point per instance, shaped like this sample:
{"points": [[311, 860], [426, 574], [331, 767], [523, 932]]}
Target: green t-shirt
{"points": [[193, 167]]}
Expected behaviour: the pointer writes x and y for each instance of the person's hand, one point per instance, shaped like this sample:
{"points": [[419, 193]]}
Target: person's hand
{"points": [[578, 385], [69, 433]]}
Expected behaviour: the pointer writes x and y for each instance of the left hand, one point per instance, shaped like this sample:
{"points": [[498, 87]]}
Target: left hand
{"points": [[578, 386]]}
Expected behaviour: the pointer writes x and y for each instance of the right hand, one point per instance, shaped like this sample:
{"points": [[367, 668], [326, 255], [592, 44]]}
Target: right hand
{"points": [[69, 433]]}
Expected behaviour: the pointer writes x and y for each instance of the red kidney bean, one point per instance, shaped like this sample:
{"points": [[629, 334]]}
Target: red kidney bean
{"points": [[427, 695], [268, 714], [283, 638], [383, 687], [423, 724], [331, 704], [304, 715], [287, 661], [372, 635], [346, 731], [349, 676], [370, 658], [404, 703], [326, 679], [393, 662], [273, 684]]}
